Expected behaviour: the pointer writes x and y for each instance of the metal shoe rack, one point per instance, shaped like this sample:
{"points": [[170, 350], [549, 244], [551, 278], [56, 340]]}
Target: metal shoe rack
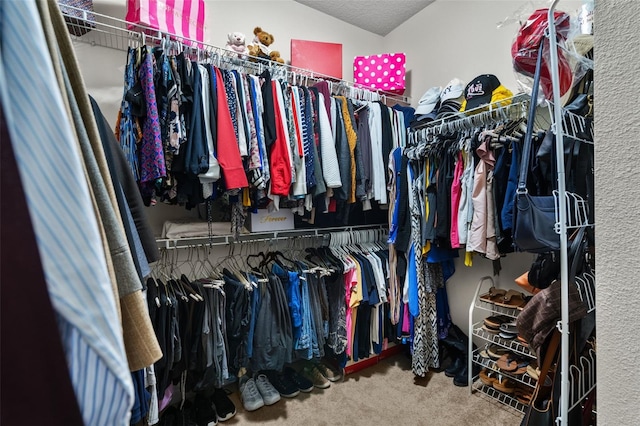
{"points": [[582, 374], [513, 345]]}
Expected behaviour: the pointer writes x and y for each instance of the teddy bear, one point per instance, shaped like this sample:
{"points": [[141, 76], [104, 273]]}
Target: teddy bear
{"points": [[259, 48], [236, 42]]}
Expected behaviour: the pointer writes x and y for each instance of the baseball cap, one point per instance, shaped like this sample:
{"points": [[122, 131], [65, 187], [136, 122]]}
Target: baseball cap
{"points": [[453, 90], [479, 91], [424, 118], [428, 101], [448, 110]]}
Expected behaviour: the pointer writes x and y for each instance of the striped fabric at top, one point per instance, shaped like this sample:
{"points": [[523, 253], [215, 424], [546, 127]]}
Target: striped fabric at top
{"points": [[181, 17], [63, 219]]}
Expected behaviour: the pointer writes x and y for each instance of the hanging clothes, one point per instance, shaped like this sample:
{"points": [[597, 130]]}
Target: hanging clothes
{"points": [[152, 165], [227, 145], [482, 237]]}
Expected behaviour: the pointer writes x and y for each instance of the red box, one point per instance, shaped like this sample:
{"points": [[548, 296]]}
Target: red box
{"points": [[317, 56]]}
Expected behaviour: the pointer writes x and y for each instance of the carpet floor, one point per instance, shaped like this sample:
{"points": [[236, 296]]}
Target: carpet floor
{"points": [[386, 393]]}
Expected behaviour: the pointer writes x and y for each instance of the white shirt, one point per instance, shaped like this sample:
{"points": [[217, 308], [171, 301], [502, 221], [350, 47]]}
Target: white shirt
{"points": [[213, 173], [330, 169], [379, 165]]}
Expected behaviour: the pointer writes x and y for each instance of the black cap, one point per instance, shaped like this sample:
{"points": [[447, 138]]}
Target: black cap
{"points": [[480, 90]]}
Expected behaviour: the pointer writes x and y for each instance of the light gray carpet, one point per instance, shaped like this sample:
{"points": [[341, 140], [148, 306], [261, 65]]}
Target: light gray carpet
{"points": [[387, 393]]}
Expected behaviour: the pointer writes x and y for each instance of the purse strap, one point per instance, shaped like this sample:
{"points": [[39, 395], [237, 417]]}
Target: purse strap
{"points": [[526, 150], [549, 357], [575, 253]]}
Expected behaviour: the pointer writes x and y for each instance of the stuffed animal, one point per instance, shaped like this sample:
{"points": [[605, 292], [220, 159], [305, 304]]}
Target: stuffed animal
{"points": [[259, 48], [236, 42]]}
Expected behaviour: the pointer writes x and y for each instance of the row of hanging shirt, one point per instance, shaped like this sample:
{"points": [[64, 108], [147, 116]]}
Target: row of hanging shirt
{"points": [[460, 187], [449, 191], [214, 322], [365, 273], [193, 130]]}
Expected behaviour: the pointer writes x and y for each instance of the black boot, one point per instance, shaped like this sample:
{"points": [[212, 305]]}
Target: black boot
{"points": [[455, 367], [462, 378], [460, 342]]}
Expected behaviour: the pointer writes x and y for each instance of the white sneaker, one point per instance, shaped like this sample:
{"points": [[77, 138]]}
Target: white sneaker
{"points": [[269, 394], [251, 398]]}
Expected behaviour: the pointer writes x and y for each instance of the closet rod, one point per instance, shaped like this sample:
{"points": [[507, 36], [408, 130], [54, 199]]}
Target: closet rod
{"points": [[107, 31], [479, 116], [217, 240]]}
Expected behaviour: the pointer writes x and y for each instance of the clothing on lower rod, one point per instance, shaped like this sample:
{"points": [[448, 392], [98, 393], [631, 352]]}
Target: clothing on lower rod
{"points": [[238, 318]]}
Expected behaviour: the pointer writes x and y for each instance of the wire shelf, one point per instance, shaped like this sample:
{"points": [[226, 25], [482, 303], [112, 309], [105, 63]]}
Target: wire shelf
{"points": [[582, 378], [524, 379], [513, 345], [586, 284], [515, 108], [495, 309], [577, 210], [113, 33], [216, 240], [496, 395]]}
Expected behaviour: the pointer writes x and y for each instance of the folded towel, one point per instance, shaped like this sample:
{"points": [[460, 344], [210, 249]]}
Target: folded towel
{"points": [[174, 229]]}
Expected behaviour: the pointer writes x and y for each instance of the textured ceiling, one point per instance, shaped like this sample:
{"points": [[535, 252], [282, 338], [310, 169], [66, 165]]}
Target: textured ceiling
{"points": [[377, 16]]}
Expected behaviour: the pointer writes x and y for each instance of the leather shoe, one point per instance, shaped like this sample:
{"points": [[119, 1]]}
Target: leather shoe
{"points": [[454, 368], [462, 378]]}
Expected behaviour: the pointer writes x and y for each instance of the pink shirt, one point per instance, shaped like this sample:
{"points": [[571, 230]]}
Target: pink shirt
{"points": [[456, 191], [350, 284]]}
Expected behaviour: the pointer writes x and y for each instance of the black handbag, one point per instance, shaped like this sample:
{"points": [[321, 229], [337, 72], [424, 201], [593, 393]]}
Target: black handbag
{"points": [[544, 270], [534, 216]]}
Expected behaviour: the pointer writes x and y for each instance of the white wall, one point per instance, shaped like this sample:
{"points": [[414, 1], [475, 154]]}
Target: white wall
{"points": [[617, 50]]}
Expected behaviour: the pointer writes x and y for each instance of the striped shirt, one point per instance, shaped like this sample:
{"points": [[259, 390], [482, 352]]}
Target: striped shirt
{"points": [[63, 217]]}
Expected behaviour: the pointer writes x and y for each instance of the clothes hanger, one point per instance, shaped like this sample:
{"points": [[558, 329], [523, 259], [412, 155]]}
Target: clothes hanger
{"points": [[183, 281], [189, 288], [316, 260], [240, 271]]}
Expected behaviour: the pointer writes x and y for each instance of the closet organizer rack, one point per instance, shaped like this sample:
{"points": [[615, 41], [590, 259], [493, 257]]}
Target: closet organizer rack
{"points": [[510, 110], [572, 124], [107, 31], [194, 250], [349, 234]]}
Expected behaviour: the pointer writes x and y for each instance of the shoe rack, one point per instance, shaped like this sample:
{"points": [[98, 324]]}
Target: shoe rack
{"points": [[478, 362], [582, 374]]}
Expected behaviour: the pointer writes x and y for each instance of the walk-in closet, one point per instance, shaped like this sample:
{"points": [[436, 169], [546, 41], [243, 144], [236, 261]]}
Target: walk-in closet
{"points": [[318, 212]]}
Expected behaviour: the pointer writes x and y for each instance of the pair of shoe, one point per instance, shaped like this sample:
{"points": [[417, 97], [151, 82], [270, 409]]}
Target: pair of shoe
{"points": [[258, 392], [288, 382], [313, 373], [321, 374], [330, 371], [497, 381], [211, 410]]}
